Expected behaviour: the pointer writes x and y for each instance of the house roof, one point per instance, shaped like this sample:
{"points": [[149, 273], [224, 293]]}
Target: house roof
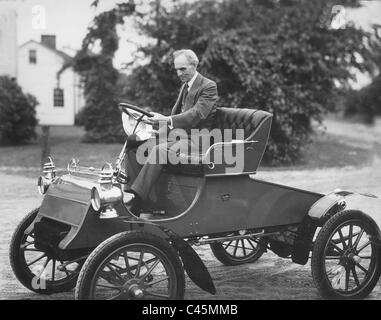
{"points": [[62, 54]]}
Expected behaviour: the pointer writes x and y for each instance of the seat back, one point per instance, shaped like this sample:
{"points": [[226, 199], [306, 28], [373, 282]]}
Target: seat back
{"points": [[250, 120], [256, 125]]}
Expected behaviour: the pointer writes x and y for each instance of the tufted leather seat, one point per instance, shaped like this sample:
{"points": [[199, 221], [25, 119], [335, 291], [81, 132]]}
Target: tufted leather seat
{"points": [[247, 119], [256, 125]]}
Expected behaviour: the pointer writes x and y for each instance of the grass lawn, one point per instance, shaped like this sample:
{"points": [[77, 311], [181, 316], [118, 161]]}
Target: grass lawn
{"points": [[337, 143], [65, 144], [341, 143]]}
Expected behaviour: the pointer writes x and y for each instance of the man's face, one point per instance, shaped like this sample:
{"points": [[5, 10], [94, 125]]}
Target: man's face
{"points": [[184, 69]]}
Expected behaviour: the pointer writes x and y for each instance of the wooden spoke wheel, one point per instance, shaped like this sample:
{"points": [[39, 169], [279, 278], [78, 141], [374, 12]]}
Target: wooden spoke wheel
{"points": [[345, 259], [235, 252], [35, 269], [129, 266]]}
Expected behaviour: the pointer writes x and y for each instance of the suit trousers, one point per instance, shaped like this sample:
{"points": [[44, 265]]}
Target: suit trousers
{"points": [[144, 176]]}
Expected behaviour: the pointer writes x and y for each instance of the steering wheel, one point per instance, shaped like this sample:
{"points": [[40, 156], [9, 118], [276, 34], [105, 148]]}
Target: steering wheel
{"points": [[138, 130], [125, 106], [136, 121]]}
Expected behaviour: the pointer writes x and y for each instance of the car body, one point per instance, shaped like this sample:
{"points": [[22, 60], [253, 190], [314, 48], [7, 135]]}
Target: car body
{"points": [[83, 218]]}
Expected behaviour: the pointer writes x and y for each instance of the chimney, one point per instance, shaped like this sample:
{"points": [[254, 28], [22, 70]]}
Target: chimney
{"points": [[49, 40]]}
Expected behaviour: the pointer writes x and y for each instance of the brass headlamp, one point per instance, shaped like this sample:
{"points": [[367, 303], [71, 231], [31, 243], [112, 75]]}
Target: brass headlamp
{"points": [[106, 195]]}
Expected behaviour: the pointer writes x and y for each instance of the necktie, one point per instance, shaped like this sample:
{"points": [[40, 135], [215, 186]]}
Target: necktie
{"points": [[185, 93]]}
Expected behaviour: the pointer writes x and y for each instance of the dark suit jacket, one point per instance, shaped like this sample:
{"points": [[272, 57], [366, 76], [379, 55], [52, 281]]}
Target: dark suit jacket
{"points": [[199, 107]]}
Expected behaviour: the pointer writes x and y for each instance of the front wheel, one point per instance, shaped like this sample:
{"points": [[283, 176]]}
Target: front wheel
{"points": [[35, 269], [129, 266], [345, 261]]}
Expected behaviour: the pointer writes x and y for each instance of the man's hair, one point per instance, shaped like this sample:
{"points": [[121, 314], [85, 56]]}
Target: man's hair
{"points": [[189, 54]]}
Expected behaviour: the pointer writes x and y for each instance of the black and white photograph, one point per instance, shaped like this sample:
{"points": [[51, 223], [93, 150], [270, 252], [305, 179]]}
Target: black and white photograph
{"points": [[212, 151]]}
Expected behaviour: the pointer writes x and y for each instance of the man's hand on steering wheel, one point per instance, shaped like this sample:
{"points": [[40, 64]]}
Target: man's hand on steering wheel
{"points": [[158, 118]]}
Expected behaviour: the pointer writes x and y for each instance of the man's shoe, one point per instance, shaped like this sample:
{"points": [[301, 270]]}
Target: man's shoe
{"points": [[128, 197], [133, 201]]}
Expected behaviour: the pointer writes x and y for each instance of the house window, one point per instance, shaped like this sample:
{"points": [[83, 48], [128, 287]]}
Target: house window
{"points": [[32, 56], [58, 97]]}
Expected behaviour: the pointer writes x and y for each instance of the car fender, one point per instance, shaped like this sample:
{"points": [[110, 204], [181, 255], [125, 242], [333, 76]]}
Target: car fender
{"points": [[193, 265], [330, 204]]}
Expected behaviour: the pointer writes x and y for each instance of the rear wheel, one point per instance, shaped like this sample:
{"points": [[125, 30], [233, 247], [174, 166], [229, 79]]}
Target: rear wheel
{"points": [[345, 261], [129, 266], [36, 269], [236, 252]]}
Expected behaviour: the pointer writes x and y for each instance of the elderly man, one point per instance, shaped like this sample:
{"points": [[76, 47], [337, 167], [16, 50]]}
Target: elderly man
{"points": [[195, 108]]}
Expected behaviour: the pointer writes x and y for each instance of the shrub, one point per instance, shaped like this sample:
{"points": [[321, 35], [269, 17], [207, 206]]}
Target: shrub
{"points": [[366, 102], [17, 113]]}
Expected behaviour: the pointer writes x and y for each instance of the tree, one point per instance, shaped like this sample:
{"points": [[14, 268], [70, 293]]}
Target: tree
{"points": [[100, 115], [366, 102], [276, 55], [17, 113]]}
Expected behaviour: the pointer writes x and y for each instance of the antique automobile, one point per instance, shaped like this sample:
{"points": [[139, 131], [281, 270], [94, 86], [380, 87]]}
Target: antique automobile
{"points": [[83, 235]]}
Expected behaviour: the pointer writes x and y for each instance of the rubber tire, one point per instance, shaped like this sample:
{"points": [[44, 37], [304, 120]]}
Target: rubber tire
{"points": [[221, 255], [22, 272], [82, 290], [318, 273]]}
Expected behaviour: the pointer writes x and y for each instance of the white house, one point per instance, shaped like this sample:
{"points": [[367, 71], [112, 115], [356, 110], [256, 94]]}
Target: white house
{"points": [[46, 73]]}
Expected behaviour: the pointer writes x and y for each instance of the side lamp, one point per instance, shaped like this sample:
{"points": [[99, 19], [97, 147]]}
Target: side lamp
{"points": [[106, 195], [49, 173]]}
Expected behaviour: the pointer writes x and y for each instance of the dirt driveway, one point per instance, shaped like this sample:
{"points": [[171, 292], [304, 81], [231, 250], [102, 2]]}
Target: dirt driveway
{"points": [[269, 278]]}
